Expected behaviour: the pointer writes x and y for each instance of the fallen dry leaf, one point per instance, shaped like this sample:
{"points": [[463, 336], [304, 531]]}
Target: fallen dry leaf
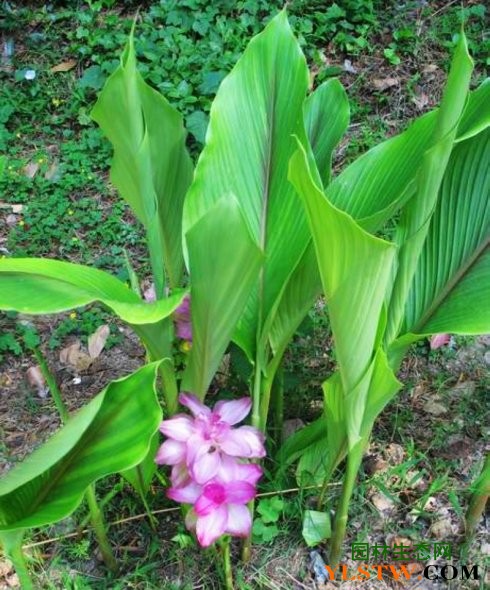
{"points": [[30, 170], [421, 101], [5, 380], [97, 340], [52, 173], [382, 503], [435, 408], [36, 380], [442, 529], [64, 66], [76, 358], [429, 68], [385, 83]]}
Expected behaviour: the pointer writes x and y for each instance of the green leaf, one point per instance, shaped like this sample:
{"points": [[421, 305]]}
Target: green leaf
{"points": [[111, 433], [3, 159], [381, 181], [327, 117], [141, 475], [414, 223], [197, 124], [476, 116], [263, 533], [270, 509], [451, 286], [301, 291], [355, 268], [151, 167], [40, 286], [316, 527], [256, 111], [224, 263]]}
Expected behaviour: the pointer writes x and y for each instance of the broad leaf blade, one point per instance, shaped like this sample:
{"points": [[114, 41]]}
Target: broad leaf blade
{"points": [[382, 180], [257, 109], [41, 286], [355, 269], [414, 223], [111, 433], [327, 115], [224, 264], [151, 167], [451, 287]]}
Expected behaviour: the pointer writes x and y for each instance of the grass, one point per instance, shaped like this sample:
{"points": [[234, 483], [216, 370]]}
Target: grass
{"points": [[56, 175]]}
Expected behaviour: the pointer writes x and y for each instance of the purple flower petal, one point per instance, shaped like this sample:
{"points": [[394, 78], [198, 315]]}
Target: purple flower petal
{"points": [[239, 492], [245, 441], [209, 528], [194, 404], [239, 520], [205, 465], [186, 494], [213, 495], [233, 411], [179, 475], [180, 427], [439, 340], [171, 452], [184, 330], [232, 469]]}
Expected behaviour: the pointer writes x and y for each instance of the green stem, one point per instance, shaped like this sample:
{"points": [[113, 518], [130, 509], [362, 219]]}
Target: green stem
{"points": [[53, 386], [227, 570], [278, 405], [354, 459], [257, 422], [478, 500], [19, 562], [97, 520]]}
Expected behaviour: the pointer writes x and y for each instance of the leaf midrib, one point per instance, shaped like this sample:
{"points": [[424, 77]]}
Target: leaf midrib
{"points": [[450, 286]]}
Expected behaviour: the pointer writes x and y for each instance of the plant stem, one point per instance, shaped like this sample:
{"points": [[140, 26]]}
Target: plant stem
{"points": [[53, 386], [228, 572], [354, 459], [256, 421], [278, 405], [97, 520], [478, 500], [19, 562]]}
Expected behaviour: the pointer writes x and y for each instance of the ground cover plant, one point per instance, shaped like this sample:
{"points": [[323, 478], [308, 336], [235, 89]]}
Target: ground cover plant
{"points": [[260, 309]]}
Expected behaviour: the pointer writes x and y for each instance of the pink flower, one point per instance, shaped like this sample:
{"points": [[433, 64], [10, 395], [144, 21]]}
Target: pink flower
{"points": [[203, 441], [209, 470], [220, 504], [439, 340], [182, 317]]}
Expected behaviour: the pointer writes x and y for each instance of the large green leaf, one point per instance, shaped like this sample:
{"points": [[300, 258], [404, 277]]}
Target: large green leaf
{"points": [[414, 223], [302, 289], [476, 116], [111, 433], [355, 268], [258, 108], [41, 286], [224, 264], [151, 167], [451, 287], [381, 181], [327, 116]]}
